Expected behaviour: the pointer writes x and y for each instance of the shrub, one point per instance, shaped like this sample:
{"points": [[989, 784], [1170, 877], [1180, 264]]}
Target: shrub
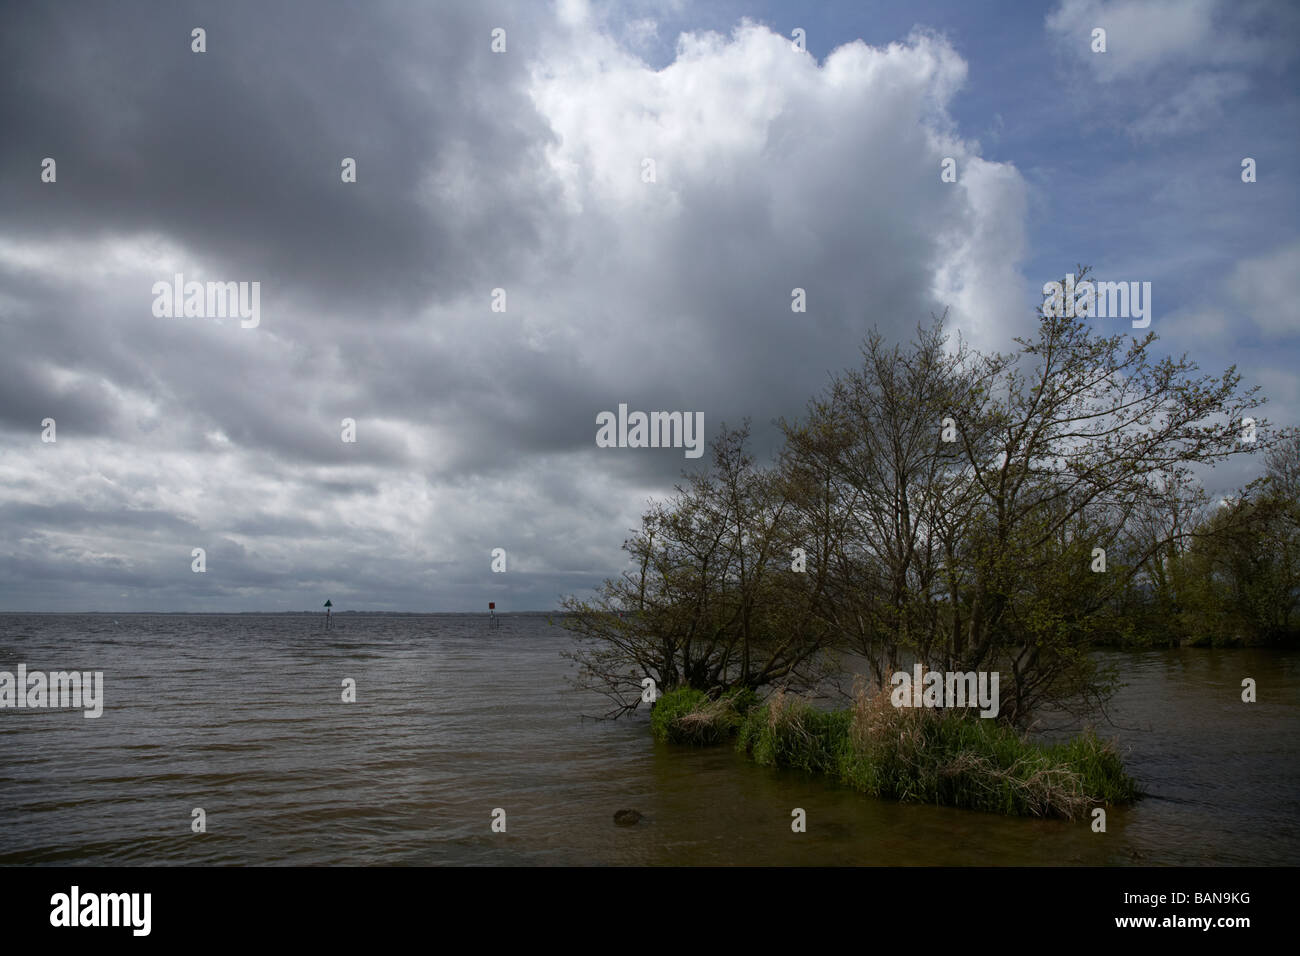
{"points": [[788, 732], [954, 758], [946, 757]]}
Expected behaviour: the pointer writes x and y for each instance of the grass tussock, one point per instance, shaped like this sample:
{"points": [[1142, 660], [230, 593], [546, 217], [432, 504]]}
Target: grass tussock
{"points": [[948, 757], [788, 732], [687, 716]]}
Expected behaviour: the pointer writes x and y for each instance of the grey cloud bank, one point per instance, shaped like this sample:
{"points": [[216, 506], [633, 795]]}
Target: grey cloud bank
{"points": [[475, 171]]}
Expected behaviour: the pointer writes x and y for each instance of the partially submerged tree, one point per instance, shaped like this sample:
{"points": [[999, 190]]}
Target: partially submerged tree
{"points": [[1088, 430], [712, 601], [888, 498], [971, 512]]}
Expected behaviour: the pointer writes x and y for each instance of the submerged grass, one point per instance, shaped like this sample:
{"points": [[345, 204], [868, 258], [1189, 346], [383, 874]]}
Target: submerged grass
{"points": [[920, 755]]}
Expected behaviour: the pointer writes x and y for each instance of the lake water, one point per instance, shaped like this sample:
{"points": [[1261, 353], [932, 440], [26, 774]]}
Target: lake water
{"points": [[242, 716]]}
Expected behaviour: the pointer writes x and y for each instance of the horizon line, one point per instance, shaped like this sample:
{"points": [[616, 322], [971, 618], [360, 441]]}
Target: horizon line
{"points": [[320, 612]]}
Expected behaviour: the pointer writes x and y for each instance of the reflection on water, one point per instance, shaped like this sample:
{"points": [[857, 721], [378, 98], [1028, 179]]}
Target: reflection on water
{"points": [[242, 716]]}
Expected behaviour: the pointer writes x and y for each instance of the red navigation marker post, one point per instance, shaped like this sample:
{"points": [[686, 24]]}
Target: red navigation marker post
{"points": [[492, 610]]}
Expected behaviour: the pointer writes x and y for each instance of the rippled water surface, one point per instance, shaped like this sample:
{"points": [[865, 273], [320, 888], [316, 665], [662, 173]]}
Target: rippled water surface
{"points": [[241, 715]]}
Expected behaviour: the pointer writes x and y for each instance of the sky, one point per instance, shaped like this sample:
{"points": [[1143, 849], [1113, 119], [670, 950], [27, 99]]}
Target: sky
{"points": [[506, 265]]}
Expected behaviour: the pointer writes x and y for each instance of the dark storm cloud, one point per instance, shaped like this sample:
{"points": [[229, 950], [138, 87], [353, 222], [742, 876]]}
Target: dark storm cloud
{"points": [[236, 152]]}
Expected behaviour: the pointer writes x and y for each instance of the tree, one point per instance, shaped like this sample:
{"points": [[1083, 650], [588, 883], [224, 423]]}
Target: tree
{"points": [[887, 498], [1245, 562], [1157, 603], [972, 512], [979, 554], [712, 601]]}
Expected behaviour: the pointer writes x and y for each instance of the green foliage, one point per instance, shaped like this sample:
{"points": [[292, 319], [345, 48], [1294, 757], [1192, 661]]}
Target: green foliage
{"points": [[782, 733], [937, 756], [670, 708], [689, 716], [1234, 580], [1222, 574], [1100, 767], [743, 699], [916, 755]]}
